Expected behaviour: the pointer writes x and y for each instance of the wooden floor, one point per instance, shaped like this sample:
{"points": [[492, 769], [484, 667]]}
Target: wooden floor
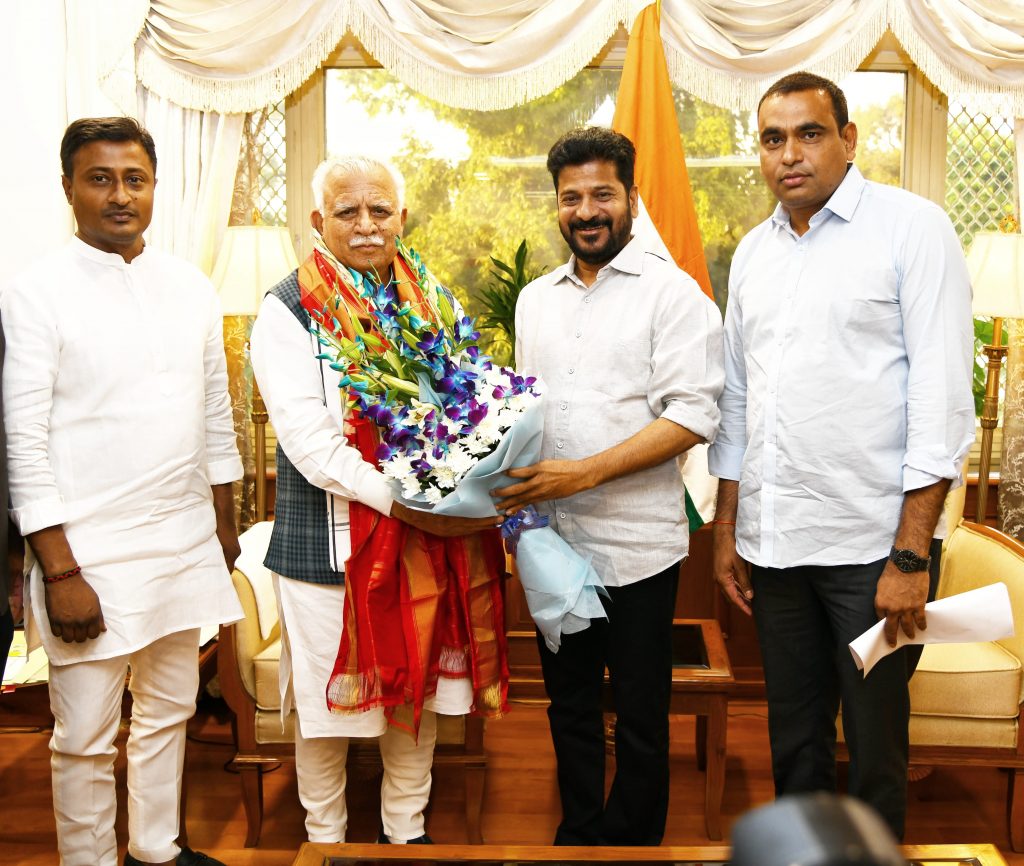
{"points": [[521, 804]]}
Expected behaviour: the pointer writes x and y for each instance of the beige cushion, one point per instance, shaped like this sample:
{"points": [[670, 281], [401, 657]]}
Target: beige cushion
{"points": [[451, 729], [268, 727], [973, 559], [966, 680], [951, 731], [267, 664], [248, 640]]}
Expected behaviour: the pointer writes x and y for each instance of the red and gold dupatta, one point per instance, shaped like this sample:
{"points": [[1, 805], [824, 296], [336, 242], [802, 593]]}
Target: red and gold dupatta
{"points": [[417, 606]]}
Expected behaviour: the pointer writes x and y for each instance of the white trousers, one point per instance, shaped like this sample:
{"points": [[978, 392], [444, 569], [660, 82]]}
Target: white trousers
{"points": [[311, 622], [85, 698], [404, 792]]}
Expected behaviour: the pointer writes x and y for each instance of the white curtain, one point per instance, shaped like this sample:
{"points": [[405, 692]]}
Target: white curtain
{"points": [[201, 64], [242, 55], [197, 156], [238, 56], [729, 51]]}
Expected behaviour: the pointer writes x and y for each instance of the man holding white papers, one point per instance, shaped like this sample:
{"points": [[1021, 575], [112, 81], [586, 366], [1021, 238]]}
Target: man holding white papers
{"points": [[846, 415]]}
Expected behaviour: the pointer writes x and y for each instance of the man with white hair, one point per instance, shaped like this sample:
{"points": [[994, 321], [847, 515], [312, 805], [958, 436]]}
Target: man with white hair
{"points": [[333, 506]]}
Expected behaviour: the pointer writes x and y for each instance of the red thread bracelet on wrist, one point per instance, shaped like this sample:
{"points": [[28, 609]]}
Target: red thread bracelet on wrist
{"points": [[64, 575], [726, 522]]}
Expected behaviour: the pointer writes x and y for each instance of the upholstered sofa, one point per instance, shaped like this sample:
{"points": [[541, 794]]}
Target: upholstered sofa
{"points": [[966, 698]]}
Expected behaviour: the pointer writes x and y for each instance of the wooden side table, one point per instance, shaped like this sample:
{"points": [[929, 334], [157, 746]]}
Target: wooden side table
{"points": [[701, 680]]}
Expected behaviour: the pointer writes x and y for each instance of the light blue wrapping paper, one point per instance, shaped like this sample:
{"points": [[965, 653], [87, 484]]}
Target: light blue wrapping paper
{"points": [[561, 586]]}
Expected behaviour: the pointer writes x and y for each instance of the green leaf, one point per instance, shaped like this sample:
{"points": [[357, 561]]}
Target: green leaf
{"points": [[502, 266], [500, 297]]}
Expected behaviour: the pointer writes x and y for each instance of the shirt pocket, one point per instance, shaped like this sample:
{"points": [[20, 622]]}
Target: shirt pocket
{"points": [[626, 370], [864, 301]]}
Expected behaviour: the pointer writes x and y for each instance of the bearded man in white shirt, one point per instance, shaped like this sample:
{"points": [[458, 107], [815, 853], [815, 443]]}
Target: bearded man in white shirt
{"points": [[629, 350], [122, 455], [846, 415], [332, 506]]}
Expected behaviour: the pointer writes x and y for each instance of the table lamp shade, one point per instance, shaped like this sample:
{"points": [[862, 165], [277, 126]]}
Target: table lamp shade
{"points": [[996, 264], [251, 260]]}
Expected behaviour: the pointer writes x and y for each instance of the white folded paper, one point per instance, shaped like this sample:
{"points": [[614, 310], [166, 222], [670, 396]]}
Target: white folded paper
{"points": [[979, 615]]}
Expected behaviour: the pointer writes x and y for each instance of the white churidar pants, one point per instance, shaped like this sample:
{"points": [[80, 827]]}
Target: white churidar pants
{"points": [[311, 620], [85, 698]]}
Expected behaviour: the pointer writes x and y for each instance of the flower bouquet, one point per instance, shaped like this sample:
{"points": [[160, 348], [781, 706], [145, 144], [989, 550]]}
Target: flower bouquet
{"points": [[449, 424]]}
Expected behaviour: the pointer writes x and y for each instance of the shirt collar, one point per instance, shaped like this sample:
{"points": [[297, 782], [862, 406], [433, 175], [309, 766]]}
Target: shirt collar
{"points": [[630, 260], [114, 260], [843, 202]]}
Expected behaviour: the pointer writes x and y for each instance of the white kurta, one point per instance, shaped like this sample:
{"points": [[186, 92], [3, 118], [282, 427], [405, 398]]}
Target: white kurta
{"points": [[118, 423]]}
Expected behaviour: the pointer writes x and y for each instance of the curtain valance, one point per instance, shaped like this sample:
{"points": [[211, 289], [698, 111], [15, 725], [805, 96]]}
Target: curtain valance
{"points": [[239, 55]]}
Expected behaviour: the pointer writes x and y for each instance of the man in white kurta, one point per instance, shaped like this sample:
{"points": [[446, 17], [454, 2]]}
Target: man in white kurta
{"points": [[122, 454]]}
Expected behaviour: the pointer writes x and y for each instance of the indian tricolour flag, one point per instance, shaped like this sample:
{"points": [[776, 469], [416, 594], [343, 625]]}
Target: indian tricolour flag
{"points": [[645, 112]]}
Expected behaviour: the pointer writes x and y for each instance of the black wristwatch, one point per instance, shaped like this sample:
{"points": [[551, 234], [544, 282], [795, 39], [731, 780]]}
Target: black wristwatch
{"points": [[907, 561]]}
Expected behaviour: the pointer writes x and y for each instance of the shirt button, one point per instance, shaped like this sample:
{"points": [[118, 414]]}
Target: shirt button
{"points": [[572, 370], [561, 515], [559, 444], [579, 333], [563, 406], [586, 300]]}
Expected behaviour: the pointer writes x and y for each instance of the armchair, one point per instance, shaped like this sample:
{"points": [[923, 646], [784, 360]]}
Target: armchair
{"points": [[966, 699]]}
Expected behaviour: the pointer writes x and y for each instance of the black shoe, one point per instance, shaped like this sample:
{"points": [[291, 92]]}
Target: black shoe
{"points": [[382, 839], [186, 857]]}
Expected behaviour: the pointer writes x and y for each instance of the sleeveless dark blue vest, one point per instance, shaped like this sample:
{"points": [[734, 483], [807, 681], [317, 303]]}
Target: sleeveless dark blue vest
{"points": [[300, 542]]}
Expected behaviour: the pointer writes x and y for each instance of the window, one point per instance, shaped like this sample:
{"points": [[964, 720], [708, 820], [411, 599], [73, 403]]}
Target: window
{"points": [[270, 143], [979, 171], [477, 183], [979, 193]]}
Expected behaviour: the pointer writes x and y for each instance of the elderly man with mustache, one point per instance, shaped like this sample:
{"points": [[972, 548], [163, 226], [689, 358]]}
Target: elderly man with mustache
{"points": [[332, 505]]}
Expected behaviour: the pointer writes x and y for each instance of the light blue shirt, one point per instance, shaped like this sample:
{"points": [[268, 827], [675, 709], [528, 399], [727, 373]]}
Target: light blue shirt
{"points": [[848, 357]]}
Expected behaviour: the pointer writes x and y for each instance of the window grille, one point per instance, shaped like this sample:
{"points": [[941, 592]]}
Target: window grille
{"points": [[979, 171]]}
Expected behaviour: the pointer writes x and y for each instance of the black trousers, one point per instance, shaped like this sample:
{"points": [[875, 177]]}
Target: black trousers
{"points": [[6, 635], [806, 617], [635, 643]]}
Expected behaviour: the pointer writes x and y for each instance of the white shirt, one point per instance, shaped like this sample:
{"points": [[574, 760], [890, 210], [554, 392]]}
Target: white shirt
{"points": [[849, 355], [118, 422], [306, 409], [643, 342]]}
